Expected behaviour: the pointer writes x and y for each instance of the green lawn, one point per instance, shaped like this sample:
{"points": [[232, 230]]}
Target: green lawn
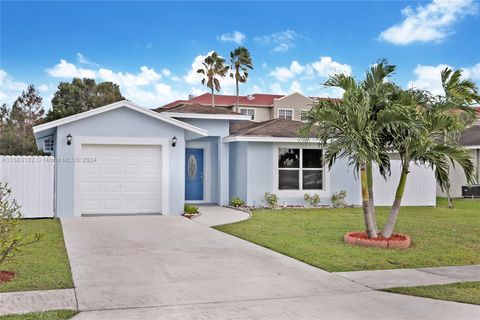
{"points": [[467, 292], [49, 315], [440, 236], [43, 265]]}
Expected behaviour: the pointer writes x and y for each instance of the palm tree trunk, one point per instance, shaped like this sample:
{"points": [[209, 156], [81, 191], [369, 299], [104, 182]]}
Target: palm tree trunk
{"points": [[371, 201], [213, 98], [367, 215], [238, 95], [449, 199], [392, 218]]}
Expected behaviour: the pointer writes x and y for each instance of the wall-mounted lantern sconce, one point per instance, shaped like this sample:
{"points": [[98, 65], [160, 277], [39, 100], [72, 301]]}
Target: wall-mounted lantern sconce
{"points": [[69, 139], [174, 141]]}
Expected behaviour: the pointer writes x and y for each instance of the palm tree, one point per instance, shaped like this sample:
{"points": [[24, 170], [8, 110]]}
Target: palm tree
{"points": [[213, 68], [379, 91], [459, 95], [432, 139], [240, 62], [345, 130]]}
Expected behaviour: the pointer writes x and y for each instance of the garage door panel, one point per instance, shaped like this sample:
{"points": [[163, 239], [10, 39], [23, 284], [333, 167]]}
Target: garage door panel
{"points": [[123, 179], [133, 170]]}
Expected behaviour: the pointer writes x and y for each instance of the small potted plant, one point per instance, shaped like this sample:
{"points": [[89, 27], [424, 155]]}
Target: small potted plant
{"points": [[190, 211]]}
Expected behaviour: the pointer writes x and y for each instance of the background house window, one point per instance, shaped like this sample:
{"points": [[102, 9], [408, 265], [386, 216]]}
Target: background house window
{"points": [[285, 114], [48, 145], [300, 169], [303, 115], [248, 112]]}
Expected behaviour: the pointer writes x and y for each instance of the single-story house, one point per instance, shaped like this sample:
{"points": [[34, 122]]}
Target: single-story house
{"points": [[125, 159], [470, 139]]}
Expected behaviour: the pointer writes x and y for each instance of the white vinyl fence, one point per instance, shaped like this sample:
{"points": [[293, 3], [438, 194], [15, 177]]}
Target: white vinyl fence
{"points": [[420, 189], [31, 179]]}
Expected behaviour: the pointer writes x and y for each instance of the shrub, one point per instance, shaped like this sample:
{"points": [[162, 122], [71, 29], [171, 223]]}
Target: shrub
{"points": [[338, 199], [312, 200], [189, 209], [271, 200], [237, 202], [11, 236]]}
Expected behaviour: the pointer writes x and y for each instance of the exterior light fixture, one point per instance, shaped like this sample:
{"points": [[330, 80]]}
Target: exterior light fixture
{"points": [[69, 139], [174, 141]]}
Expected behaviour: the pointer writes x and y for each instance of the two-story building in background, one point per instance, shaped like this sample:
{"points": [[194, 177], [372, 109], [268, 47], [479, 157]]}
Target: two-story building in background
{"points": [[261, 107]]}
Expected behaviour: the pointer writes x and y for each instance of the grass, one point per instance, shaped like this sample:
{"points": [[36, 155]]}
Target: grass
{"points": [[466, 292], [42, 265], [440, 236], [49, 315]]}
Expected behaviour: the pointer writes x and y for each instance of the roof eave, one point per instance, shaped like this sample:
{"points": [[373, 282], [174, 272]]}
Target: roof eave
{"points": [[206, 116], [269, 139], [116, 105]]}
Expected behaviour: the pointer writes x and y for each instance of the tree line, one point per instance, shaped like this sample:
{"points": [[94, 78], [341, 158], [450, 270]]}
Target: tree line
{"points": [[27, 111]]}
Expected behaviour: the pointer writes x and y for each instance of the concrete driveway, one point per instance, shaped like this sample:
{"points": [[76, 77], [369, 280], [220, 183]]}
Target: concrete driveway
{"points": [[160, 267]]}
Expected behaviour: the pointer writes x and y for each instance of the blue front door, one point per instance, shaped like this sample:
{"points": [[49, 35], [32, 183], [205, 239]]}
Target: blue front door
{"points": [[194, 174]]}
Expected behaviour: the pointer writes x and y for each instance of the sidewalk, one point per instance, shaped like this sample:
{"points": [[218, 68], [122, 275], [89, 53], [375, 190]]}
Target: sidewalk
{"points": [[37, 301], [382, 279], [216, 216]]}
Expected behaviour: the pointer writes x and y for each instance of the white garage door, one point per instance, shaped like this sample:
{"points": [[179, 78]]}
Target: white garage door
{"points": [[121, 179]]}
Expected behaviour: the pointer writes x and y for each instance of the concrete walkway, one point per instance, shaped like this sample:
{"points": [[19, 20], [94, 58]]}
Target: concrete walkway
{"points": [[215, 216], [382, 279], [36, 301], [161, 267]]}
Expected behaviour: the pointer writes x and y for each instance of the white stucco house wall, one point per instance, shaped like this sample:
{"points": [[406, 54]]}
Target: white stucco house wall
{"points": [[126, 159]]}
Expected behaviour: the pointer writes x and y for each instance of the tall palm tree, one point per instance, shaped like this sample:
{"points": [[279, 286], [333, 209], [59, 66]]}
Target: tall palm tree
{"points": [[432, 140], [240, 62], [213, 68]]}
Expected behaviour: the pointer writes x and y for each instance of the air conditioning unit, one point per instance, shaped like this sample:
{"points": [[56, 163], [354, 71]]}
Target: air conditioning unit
{"points": [[471, 191]]}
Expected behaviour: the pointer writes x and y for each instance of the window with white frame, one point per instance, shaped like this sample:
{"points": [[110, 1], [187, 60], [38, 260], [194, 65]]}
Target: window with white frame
{"points": [[48, 145], [248, 112], [285, 114], [300, 169], [303, 115]]}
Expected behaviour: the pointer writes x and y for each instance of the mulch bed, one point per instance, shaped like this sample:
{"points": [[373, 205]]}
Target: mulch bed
{"points": [[357, 238], [6, 276]]}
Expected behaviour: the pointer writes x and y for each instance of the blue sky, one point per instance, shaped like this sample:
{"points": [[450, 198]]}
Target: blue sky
{"points": [[151, 49]]}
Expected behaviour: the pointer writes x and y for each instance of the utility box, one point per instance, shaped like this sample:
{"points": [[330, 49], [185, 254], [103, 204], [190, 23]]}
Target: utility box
{"points": [[471, 191]]}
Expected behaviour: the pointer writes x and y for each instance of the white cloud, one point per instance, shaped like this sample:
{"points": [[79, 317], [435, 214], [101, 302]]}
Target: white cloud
{"points": [[431, 22], [10, 89], [282, 41], [472, 72], [296, 87], [284, 74], [276, 88], [428, 78], [326, 67], [323, 67], [43, 88], [235, 37], [68, 70], [83, 60], [143, 87], [145, 77], [166, 72]]}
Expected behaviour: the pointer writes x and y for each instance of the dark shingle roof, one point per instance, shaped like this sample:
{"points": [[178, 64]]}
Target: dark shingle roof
{"points": [[280, 128], [471, 136], [196, 108]]}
